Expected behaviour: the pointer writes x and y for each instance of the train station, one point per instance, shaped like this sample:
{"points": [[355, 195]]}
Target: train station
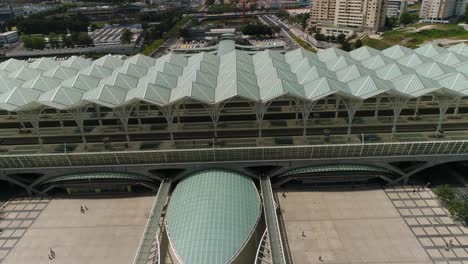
{"points": [[217, 133]]}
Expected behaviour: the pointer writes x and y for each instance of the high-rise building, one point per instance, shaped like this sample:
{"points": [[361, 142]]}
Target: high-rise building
{"points": [[362, 15], [441, 10], [396, 7]]}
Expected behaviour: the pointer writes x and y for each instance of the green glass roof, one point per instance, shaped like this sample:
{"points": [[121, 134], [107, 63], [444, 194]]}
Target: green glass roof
{"points": [[100, 175], [211, 215], [335, 167]]}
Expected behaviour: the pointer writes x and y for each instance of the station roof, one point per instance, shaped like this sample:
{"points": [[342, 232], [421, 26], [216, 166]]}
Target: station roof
{"points": [[336, 168], [215, 77], [212, 215]]}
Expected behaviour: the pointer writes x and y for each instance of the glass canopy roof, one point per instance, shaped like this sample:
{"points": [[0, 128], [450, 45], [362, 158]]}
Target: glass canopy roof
{"points": [[211, 216], [213, 78]]}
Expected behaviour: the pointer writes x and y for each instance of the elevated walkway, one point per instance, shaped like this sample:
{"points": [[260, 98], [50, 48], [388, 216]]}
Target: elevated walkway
{"points": [[148, 251], [274, 234]]}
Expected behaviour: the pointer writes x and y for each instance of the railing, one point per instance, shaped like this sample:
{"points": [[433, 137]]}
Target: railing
{"points": [[146, 247], [215, 154], [263, 251], [274, 234]]}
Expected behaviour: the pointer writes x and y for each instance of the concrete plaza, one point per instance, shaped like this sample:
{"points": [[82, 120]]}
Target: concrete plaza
{"points": [[109, 232], [348, 226]]}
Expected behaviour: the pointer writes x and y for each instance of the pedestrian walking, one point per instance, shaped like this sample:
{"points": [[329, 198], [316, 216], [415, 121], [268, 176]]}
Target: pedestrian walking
{"points": [[50, 258], [303, 234], [320, 259], [284, 195], [86, 208], [52, 253], [414, 191], [82, 209], [451, 242]]}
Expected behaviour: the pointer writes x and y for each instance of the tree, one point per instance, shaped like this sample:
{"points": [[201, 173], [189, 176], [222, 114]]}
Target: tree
{"points": [[84, 39], [126, 36], [358, 44], [33, 42], [407, 18], [282, 13], [391, 22], [276, 29], [320, 37], [346, 46], [184, 33], [445, 193], [341, 38]]}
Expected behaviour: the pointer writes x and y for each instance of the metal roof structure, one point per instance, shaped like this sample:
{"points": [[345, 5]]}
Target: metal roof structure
{"points": [[215, 78], [212, 215]]}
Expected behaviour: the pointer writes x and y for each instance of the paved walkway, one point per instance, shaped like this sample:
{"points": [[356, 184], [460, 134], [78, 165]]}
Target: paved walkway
{"points": [[348, 226], [431, 224], [18, 216], [108, 233]]}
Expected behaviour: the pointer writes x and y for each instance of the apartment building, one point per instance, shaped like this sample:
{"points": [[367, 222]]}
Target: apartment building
{"points": [[362, 15], [440, 11], [396, 7]]}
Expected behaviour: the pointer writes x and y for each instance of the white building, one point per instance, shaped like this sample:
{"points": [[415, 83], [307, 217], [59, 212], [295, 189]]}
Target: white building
{"points": [[8, 38]]}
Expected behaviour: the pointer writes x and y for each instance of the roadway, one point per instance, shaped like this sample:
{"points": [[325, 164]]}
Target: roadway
{"points": [[285, 32]]}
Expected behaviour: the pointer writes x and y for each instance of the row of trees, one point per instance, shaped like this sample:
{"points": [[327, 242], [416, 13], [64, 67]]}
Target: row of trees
{"points": [[457, 206], [260, 30], [56, 40], [41, 24]]}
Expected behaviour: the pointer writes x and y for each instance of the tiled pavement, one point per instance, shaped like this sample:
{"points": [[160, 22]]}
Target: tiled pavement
{"points": [[431, 224], [18, 215]]}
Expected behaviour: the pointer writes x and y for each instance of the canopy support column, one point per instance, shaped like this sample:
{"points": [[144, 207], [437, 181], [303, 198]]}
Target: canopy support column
{"points": [[377, 105], [34, 118], [260, 109], [59, 115], [78, 115], [98, 112], [137, 112], [337, 107], [306, 108], [455, 111], [416, 110], [444, 104], [352, 105], [214, 111], [398, 104], [169, 112], [123, 113]]}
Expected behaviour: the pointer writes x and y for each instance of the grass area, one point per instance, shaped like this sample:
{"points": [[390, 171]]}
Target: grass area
{"points": [[414, 8], [158, 42], [414, 39], [303, 44], [375, 43]]}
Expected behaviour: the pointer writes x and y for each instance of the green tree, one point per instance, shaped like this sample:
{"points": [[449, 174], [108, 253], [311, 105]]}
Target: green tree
{"points": [[84, 39], [358, 44], [282, 13], [126, 36], [320, 37], [33, 42], [407, 18], [184, 33], [445, 193], [276, 29], [341, 38], [346, 46]]}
